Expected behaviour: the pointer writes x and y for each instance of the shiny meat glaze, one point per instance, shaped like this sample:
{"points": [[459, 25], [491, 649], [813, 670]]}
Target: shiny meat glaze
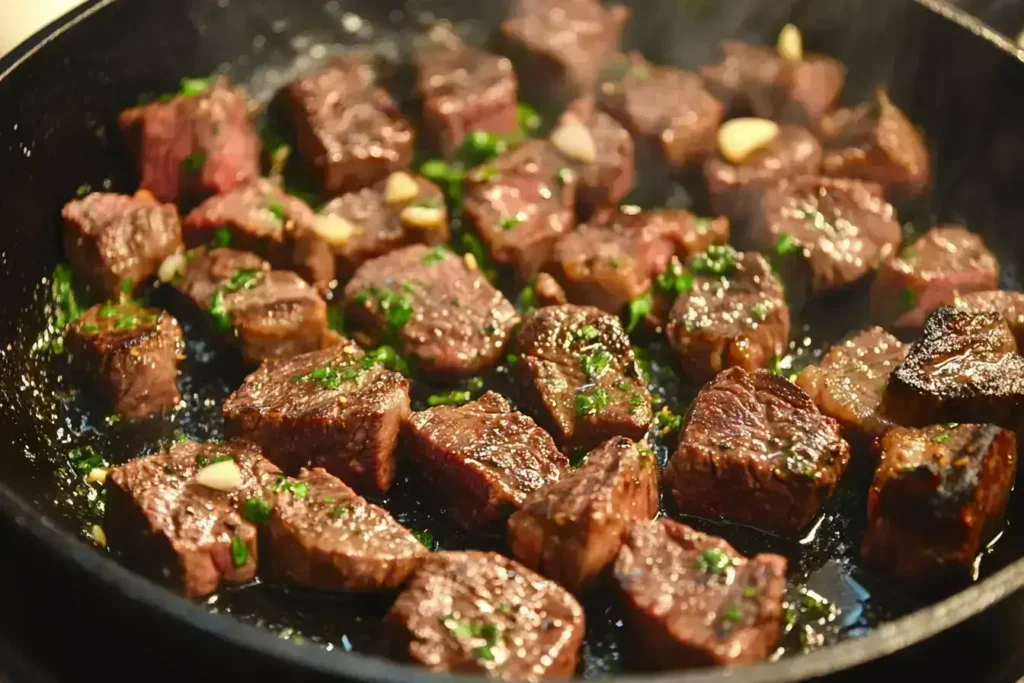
{"points": [[740, 320], [194, 145], [850, 381], [482, 458], [520, 204], [276, 315], [938, 496], [1010, 305], [692, 600], [349, 130], [925, 274], [667, 110], [758, 79], [579, 378], [334, 408], [131, 353], [332, 539], [876, 142], [611, 175], [479, 612], [617, 254], [266, 220], [378, 227], [111, 239], [571, 530], [964, 367], [165, 521], [755, 450], [456, 321]]}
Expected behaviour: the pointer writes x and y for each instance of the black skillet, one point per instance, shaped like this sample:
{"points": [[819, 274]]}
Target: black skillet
{"points": [[59, 96]]}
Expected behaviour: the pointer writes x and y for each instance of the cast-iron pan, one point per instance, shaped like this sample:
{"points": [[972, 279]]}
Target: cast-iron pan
{"points": [[59, 97]]}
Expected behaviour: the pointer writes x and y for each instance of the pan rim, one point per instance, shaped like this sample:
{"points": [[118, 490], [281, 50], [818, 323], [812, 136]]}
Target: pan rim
{"points": [[882, 641]]}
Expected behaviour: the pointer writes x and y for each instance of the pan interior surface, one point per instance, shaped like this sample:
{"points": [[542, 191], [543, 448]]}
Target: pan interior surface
{"points": [[58, 133]]}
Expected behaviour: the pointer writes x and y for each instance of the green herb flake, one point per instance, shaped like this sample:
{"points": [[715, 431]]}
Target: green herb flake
{"points": [[451, 398], [638, 310], [594, 364], [90, 328], [83, 190], [733, 614], [127, 322], [668, 421], [785, 244], [940, 438], [396, 307], [239, 552], [426, 537], [749, 592], [674, 280], [194, 162], [718, 260], [181, 438], [435, 255], [759, 311], [127, 286], [510, 222], [221, 317], [299, 489], [511, 360], [256, 510], [529, 119], [339, 511], [799, 464], [591, 402], [526, 302], [276, 208], [85, 459], [908, 298], [588, 333], [388, 357], [195, 86], [713, 561]]}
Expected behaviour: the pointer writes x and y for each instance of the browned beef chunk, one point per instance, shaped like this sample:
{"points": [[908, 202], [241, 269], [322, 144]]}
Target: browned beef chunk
{"points": [[826, 233], [112, 240], [938, 496], [131, 353], [547, 291], [478, 612], [734, 314], [851, 380], [465, 89], [964, 367], [667, 110], [334, 408], [691, 600], [760, 80], [876, 142], [756, 450], [483, 457], [194, 145], [571, 530], [401, 210], [600, 154], [520, 204], [1010, 305], [616, 256], [267, 313], [449, 319], [927, 273], [348, 129], [735, 188], [558, 46], [178, 513], [265, 220], [322, 534], [579, 377]]}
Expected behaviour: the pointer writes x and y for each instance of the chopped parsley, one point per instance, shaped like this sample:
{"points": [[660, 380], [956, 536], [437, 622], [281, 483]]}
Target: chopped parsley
{"points": [[395, 306], [638, 310], [591, 402], [940, 438], [487, 634], [221, 238], [817, 607], [510, 222], [674, 280], [390, 358], [339, 511], [195, 86], [668, 421], [66, 307], [435, 255], [336, 319], [331, 377], [749, 592], [526, 302], [588, 333], [86, 458], [239, 551], [529, 119], [594, 364], [713, 561], [276, 208], [299, 489], [243, 278], [426, 537], [785, 244], [646, 455], [759, 311], [909, 299], [799, 464], [83, 189], [203, 461], [194, 162], [719, 259], [481, 146], [256, 510], [181, 438], [565, 176], [733, 614], [449, 398]]}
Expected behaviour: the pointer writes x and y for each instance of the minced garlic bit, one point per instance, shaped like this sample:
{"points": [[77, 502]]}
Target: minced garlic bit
{"points": [[333, 229], [791, 43], [575, 141], [99, 536], [739, 138], [97, 475], [470, 261], [422, 217], [221, 476], [400, 188]]}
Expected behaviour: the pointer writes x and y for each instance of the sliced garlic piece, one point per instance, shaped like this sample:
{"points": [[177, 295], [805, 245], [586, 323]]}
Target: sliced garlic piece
{"points": [[171, 267], [99, 536], [97, 475], [575, 141], [791, 43], [423, 217], [739, 138], [334, 230], [470, 261], [400, 188], [221, 476]]}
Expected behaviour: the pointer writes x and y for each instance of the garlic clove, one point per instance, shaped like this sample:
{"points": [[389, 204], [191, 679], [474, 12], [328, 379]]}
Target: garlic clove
{"points": [[400, 188], [470, 261], [575, 141], [791, 43], [423, 217], [171, 267], [333, 229], [97, 475], [739, 138], [223, 476]]}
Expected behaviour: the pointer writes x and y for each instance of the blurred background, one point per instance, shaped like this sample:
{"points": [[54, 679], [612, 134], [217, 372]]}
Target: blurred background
{"points": [[21, 18]]}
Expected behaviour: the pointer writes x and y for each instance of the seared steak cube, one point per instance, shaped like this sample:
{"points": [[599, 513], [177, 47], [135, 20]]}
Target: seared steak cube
{"points": [[668, 111], [520, 204], [927, 273], [826, 233], [260, 217], [735, 185], [465, 89], [347, 128], [772, 86], [938, 496], [876, 142], [600, 154], [334, 408], [199, 143], [616, 256], [850, 382], [965, 367], [579, 377], [178, 514], [267, 313], [571, 530], [483, 458], [449, 319], [478, 612], [323, 535], [114, 241], [558, 46], [131, 353], [756, 450], [734, 314], [1010, 305], [691, 600], [401, 210]]}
